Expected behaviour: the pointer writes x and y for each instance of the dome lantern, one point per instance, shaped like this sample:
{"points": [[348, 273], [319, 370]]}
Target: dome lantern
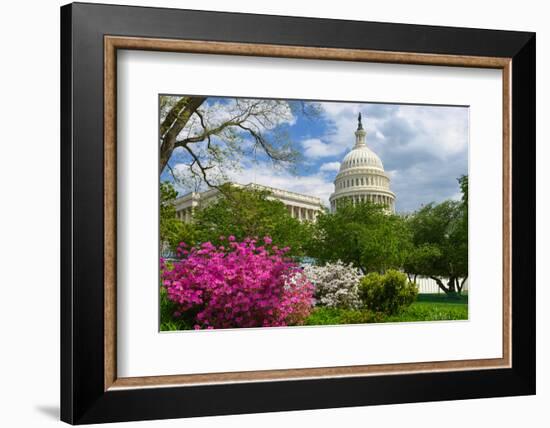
{"points": [[360, 134]]}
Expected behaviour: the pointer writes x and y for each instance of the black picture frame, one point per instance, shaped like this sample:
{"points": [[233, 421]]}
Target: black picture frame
{"points": [[83, 398]]}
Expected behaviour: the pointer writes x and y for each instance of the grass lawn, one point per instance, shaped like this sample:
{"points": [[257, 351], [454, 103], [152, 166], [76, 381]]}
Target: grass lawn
{"points": [[427, 307]]}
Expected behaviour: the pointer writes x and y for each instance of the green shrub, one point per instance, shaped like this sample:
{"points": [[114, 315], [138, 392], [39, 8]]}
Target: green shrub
{"points": [[389, 293]]}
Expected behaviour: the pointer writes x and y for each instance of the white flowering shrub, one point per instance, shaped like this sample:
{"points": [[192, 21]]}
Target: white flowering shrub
{"points": [[336, 285]]}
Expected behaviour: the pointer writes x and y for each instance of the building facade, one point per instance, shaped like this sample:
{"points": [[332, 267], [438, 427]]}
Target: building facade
{"points": [[361, 177], [301, 207]]}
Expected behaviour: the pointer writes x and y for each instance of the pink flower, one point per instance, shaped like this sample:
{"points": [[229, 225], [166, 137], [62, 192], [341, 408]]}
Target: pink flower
{"points": [[240, 286]]}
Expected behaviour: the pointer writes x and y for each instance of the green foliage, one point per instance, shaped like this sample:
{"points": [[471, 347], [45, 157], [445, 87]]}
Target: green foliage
{"points": [[322, 315], [167, 197], [172, 231], [167, 320], [248, 213], [434, 307], [441, 298], [361, 317], [389, 293], [362, 234], [427, 307], [332, 316], [420, 259], [440, 239]]}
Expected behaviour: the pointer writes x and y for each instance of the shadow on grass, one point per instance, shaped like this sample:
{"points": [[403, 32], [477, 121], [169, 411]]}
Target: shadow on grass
{"points": [[442, 298]]}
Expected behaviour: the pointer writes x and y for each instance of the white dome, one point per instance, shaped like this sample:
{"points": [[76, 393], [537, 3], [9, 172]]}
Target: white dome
{"points": [[361, 156], [362, 177]]}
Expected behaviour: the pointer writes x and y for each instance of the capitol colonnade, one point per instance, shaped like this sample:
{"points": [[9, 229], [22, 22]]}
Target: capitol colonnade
{"points": [[300, 206], [302, 213], [362, 198]]}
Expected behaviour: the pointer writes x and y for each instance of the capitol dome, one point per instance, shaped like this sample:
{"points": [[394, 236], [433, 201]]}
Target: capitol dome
{"points": [[361, 177]]}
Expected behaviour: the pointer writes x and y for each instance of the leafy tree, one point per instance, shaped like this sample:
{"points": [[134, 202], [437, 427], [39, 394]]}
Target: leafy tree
{"points": [[213, 137], [172, 231], [419, 259], [248, 213], [440, 237], [362, 234]]}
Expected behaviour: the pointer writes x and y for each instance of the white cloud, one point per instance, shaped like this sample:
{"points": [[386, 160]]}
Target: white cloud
{"points": [[316, 184], [315, 148], [441, 130], [330, 166], [342, 123]]}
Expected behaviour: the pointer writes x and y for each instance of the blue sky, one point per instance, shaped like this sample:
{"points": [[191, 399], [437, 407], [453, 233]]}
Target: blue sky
{"points": [[424, 149]]}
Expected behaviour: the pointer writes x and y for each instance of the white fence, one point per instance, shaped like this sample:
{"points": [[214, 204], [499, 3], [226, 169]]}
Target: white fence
{"points": [[429, 286]]}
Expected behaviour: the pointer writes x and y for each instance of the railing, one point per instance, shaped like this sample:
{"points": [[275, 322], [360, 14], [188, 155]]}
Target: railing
{"points": [[429, 286]]}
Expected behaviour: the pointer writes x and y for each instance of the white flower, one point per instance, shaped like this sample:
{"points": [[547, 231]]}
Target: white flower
{"points": [[336, 285]]}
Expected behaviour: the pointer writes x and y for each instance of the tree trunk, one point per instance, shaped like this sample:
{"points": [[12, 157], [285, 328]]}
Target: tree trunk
{"points": [[451, 285], [175, 121], [440, 284], [461, 285]]}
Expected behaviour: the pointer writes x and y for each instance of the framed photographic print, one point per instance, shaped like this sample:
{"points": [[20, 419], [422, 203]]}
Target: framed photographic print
{"points": [[266, 213]]}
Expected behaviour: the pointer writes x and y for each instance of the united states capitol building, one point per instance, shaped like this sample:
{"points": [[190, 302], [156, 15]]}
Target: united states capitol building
{"points": [[361, 178]]}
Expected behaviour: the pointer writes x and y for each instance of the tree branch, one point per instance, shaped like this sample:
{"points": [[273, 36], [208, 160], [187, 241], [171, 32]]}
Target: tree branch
{"points": [[440, 284], [203, 169], [268, 149], [174, 122]]}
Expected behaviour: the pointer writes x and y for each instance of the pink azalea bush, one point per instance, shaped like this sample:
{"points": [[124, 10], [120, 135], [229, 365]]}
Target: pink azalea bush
{"points": [[242, 284]]}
